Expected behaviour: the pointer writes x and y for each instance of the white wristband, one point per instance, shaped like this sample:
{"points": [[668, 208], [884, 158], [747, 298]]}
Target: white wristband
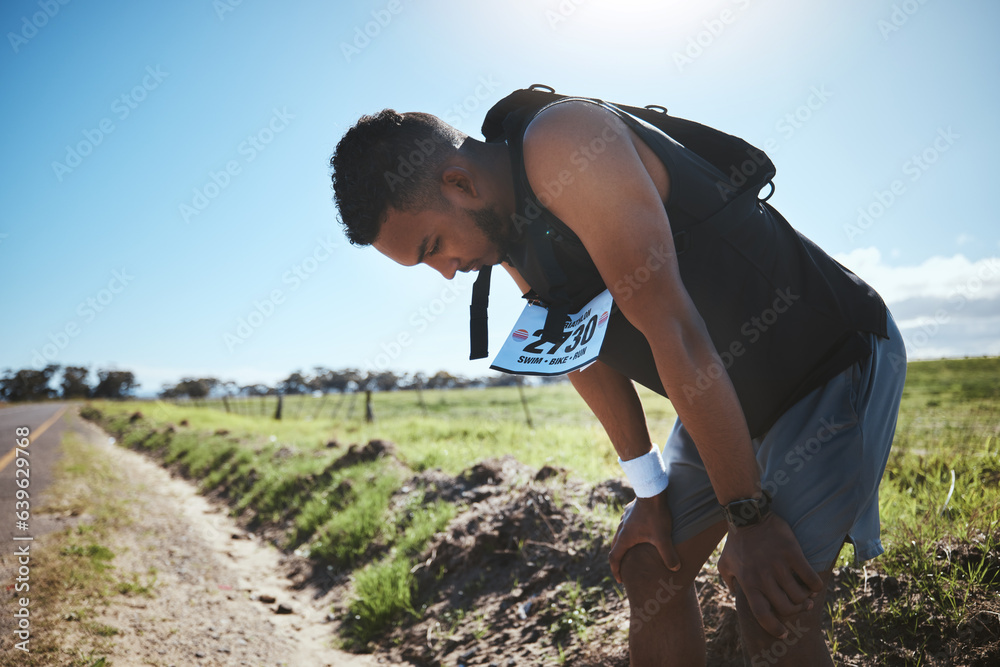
{"points": [[647, 474]]}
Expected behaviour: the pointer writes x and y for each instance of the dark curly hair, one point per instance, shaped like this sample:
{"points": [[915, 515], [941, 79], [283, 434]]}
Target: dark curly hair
{"points": [[389, 159]]}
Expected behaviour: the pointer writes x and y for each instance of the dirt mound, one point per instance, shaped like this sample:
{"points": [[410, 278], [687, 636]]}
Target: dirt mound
{"points": [[610, 492], [520, 576], [499, 583], [375, 449]]}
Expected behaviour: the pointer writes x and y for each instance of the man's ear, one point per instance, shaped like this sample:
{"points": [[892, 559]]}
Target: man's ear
{"points": [[458, 186]]}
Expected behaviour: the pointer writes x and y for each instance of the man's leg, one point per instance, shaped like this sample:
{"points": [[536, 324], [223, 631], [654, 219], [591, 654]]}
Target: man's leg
{"points": [[665, 626], [804, 645], [822, 463]]}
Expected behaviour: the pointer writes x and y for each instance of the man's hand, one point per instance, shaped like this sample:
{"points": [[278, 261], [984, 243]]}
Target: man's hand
{"points": [[771, 570], [644, 520]]}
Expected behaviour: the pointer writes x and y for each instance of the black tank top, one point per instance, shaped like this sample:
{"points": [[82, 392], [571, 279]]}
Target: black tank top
{"points": [[784, 316]]}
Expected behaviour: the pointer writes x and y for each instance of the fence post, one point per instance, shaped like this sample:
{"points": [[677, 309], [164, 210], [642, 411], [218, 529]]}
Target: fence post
{"points": [[277, 412], [369, 415], [420, 397], [524, 403]]}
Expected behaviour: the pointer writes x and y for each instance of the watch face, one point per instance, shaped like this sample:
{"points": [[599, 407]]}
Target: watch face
{"points": [[746, 512]]}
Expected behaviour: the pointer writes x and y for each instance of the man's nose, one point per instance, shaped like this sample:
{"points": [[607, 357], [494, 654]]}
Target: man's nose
{"points": [[446, 266]]}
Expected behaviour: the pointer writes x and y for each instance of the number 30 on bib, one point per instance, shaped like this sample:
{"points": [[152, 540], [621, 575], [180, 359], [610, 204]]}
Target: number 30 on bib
{"points": [[524, 352]]}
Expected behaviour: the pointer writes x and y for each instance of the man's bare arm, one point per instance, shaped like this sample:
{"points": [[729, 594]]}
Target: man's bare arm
{"points": [[612, 398], [616, 208], [617, 211]]}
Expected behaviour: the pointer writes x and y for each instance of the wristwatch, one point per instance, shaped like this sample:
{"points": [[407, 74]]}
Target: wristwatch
{"points": [[749, 512]]}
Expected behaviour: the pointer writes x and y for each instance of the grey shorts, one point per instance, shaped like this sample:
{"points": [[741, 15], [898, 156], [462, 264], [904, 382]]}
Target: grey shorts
{"points": [[822, 461]]}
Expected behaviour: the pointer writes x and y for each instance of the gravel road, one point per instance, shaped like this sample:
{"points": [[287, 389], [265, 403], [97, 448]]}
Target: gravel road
{"points": [[218, 600]]}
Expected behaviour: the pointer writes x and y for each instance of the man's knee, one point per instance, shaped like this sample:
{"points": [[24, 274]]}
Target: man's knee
{"points": [[650, 586]]}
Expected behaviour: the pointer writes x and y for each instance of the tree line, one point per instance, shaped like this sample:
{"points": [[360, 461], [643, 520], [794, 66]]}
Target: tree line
{"points": [[327, 380], [74, 382], [29, 384]]}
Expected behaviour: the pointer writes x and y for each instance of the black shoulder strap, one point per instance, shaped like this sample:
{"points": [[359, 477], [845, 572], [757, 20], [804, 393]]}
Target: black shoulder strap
{"points": [[723, 151], [478, 313], [523, 100]]}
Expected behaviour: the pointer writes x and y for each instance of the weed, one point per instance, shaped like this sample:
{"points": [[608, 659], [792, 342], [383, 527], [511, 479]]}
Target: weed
{"points": [[101, 629], [382, 590], [134, 587]]}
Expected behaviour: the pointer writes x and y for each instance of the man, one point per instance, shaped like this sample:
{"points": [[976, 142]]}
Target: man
{"points": [[785, 369]]}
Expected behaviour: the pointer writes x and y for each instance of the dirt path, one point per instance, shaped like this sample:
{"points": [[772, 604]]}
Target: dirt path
{"points": [[210, 603]]}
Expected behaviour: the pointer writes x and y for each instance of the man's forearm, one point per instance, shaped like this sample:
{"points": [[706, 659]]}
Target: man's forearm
{"points": [[713, 416], [613, 400]]}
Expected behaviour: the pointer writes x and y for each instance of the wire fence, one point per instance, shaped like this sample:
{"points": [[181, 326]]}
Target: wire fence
{"points": [[504, 403], [556, 403]]}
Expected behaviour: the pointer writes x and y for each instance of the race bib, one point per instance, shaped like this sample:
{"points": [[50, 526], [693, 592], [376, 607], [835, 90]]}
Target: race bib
{"points": [[524, 353]]}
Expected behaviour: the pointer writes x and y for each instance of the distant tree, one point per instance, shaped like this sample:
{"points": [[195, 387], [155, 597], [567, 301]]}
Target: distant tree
{"points": [[28, 384], [411, 381], [74, 382], [256, 390], [296, 383], [442, 380], [191, 387], [502, 380], [380, 381], [346, 379], [199, 388], [326, 379], [114, 384], [314, 382]]}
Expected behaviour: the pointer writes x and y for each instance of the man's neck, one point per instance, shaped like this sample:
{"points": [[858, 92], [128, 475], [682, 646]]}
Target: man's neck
{"points": [[495, 162]]}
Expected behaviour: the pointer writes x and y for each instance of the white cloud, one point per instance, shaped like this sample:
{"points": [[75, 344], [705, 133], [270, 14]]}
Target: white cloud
{"points": [[944, 307], [941, 277]]}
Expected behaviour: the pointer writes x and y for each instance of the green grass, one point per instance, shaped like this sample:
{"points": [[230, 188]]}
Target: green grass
{"points": [[384, 589], [459, 429], [945, 547], [344, 538], [281, 472]]}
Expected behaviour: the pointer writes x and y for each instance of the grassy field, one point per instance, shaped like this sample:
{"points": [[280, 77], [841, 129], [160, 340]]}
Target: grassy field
{"points": [[933, 592]]}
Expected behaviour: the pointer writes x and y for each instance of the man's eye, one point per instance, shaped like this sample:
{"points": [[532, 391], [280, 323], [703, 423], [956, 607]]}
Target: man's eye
{"points": [[434, 248]]}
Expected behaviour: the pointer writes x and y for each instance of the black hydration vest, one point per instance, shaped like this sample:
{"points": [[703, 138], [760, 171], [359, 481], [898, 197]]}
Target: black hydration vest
{"points": [[783, 315]]}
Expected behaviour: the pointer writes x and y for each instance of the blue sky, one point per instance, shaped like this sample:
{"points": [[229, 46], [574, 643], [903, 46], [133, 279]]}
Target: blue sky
{"points": [[166, 200]]}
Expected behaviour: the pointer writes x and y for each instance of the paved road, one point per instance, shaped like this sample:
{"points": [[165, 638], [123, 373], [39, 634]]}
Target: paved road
{"points": [[46, 422]]}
